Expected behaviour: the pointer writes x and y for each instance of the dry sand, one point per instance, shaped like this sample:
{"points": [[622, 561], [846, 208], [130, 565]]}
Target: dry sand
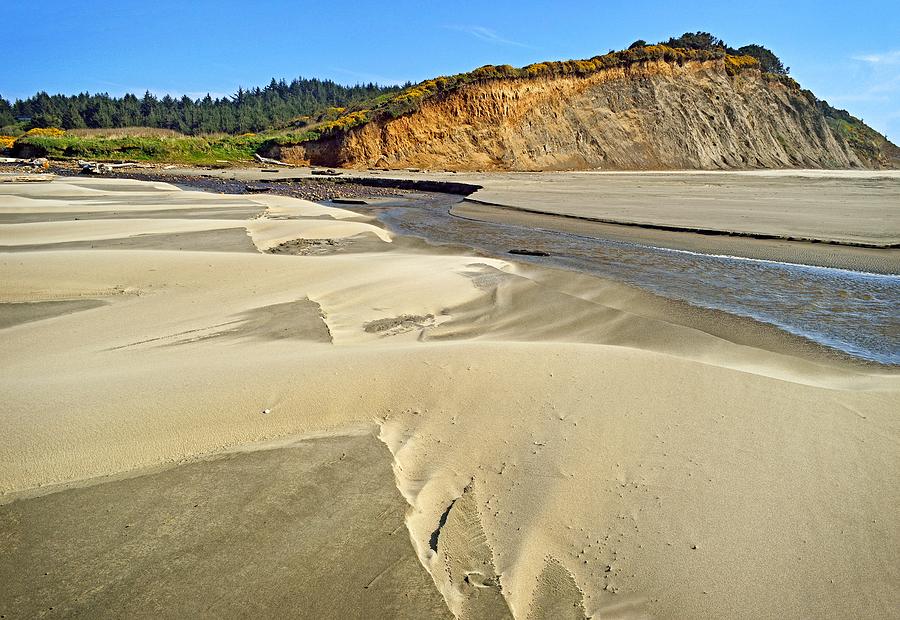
{"points": [[567, 447]]}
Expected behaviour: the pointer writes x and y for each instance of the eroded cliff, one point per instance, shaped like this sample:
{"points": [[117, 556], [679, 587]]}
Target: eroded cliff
{"points": [[649, 115]]}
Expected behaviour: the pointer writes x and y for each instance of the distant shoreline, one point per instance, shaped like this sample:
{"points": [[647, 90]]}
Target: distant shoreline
{"points": [[821, 248]]}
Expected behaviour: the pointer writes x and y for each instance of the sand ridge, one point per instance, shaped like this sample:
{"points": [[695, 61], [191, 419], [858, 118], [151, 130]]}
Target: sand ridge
{"points": [[584, 448]]}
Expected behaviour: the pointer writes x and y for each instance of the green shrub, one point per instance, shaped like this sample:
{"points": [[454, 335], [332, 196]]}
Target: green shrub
{"points": [[187, 149]]}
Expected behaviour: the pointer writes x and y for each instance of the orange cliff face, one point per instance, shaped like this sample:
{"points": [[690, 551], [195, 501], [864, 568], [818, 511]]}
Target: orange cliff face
{"points": [[652, 115]]}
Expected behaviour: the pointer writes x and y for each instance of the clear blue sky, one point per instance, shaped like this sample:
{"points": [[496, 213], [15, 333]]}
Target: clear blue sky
{"points": [[846, 52]]}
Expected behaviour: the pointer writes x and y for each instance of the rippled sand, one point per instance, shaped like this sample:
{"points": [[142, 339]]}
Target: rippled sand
{"points": [[564, 445]]}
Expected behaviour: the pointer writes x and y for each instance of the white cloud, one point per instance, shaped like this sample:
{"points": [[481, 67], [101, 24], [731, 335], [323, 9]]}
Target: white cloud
{"points": [[885, 58], [486, 34]]}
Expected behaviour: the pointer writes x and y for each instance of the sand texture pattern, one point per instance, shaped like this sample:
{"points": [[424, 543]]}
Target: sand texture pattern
{"points": [[565, 447]]}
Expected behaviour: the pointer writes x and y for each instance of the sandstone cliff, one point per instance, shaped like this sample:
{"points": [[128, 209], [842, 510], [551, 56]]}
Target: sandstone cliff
{"points": [[649, 115]]}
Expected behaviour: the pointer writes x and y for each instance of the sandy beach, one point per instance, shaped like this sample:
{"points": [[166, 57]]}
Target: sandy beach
{"points": [[831, 218], [380, 429]]}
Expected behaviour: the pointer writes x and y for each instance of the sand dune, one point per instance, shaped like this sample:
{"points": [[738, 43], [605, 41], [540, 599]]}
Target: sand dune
{"points": [[567, 447]]}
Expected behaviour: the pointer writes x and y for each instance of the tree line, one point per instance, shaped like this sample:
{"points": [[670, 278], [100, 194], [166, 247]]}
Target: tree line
{"points": [[249, 110]]}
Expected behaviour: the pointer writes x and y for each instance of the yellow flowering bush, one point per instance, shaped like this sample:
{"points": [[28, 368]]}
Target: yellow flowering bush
{"points": [[6, 142], [345, 122], [736, 64], [53, 132]]}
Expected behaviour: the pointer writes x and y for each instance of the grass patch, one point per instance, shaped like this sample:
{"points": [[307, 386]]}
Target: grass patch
{"points": [[123, 132], [867, 143], [198, 150], [862, 139]]}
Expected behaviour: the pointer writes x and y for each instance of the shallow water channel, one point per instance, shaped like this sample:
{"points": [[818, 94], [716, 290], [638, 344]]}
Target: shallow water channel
{"points": [[855, 312]]}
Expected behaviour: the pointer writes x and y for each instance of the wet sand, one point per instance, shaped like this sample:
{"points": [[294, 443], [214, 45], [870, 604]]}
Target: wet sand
{"points": [[563, 444], [871, 260], [314, 529]]}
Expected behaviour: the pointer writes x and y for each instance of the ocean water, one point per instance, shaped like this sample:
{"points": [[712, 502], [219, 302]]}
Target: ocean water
{"points": [[854, 312]]}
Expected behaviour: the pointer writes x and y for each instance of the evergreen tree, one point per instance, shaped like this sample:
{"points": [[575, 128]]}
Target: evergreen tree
{"points": [[768, 61], [247, 110], [6, 113], [696, 41]]}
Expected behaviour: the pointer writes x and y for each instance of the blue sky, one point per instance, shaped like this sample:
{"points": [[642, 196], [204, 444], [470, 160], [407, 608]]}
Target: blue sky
{"points": [[846, 52]]}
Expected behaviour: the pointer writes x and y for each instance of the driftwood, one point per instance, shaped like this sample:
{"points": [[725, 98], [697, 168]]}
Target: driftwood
{"points": [[40, 162], [93, 167], [271, 162], [327, 173], [26, 178]]}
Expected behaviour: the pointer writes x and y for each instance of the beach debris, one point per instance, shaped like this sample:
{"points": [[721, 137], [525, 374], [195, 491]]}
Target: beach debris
{"points": [[327, 173], [266, 411], [392, 326], [271, 162], [93, 167], [257, 189], [310, 247], [26, 178], [529, 252], [37, 162]]}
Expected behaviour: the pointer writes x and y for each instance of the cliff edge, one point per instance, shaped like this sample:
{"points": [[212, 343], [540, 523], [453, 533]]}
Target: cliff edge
{"points": [[651, 108]]}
